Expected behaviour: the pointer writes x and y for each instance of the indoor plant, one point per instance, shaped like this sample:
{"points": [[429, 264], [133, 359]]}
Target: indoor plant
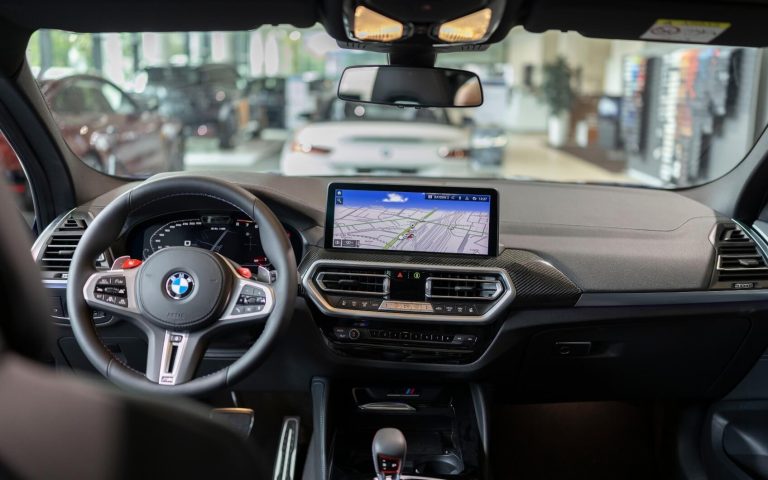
{"points": [[558, 95]]}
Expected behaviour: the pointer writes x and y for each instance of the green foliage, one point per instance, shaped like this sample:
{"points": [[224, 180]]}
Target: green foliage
{"points": [[556, 86]]}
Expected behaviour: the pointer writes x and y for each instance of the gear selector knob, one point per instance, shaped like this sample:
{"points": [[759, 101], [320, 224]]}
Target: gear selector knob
{"points": [[388, 453]]}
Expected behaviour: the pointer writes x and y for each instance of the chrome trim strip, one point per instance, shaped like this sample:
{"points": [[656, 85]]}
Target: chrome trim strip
{"points": [[386, 407], [316, 296]]}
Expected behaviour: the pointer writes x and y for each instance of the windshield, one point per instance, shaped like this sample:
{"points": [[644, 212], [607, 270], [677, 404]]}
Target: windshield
{"points": [[558, 107]]}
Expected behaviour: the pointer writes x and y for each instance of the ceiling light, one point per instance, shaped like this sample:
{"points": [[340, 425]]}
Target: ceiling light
{"points": [[469, 28], [370, 26]]}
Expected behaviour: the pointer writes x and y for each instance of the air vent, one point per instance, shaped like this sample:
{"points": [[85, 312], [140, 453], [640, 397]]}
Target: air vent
{"points": [[72, 225], [61, 247], [460, 286], [740, 263], [359, 282], [734, 235]]}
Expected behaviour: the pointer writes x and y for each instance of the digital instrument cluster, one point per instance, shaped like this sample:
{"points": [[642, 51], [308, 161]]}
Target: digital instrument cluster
{"points": [[232, 235]]}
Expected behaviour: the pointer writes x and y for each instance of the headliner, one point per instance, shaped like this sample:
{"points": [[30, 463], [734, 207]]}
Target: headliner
{"points": [[625, 19]]}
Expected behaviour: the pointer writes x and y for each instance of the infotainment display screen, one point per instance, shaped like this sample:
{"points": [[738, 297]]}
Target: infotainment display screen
{"points": [[398, 218]]}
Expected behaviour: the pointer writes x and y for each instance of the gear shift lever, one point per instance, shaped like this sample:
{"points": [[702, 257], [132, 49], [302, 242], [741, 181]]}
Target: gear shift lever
{"points": [[388, 453]]}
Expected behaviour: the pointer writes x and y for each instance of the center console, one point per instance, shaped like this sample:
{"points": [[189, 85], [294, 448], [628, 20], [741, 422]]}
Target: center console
{"points": [[407, 311], [391, 431], [392, 307]]}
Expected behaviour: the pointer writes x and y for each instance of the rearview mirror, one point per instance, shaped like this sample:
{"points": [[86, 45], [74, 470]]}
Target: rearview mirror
{"points": [[411, 86]]}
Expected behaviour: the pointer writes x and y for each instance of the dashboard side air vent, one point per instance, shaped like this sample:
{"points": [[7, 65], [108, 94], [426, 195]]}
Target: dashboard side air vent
{"points": [[358, 282], [464, 286], [740, 263], [72, 225], [60, 248]]}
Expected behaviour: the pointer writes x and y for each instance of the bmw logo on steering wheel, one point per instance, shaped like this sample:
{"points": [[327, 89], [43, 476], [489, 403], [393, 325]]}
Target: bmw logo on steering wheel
{"points": [[179, 285]]}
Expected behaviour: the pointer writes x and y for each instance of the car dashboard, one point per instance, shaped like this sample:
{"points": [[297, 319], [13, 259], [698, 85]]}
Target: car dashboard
{"points": [[595, 292]]}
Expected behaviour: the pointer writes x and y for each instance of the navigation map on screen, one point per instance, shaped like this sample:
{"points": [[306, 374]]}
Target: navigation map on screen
{"points": [[456, 223]]}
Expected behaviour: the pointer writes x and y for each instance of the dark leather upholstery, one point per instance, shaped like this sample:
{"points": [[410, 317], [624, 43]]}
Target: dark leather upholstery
{"points": [[54, 425]]}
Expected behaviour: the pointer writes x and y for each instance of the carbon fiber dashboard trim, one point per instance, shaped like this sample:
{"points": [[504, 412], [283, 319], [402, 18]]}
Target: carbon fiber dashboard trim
{"points": [[537, 282]]}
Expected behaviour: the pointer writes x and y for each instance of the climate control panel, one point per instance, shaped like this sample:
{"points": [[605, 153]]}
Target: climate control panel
{"points": [[408, 291]]}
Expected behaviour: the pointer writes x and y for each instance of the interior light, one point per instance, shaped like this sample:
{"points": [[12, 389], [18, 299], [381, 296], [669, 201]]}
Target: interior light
{"points": [[469, 28], [370, 26]]}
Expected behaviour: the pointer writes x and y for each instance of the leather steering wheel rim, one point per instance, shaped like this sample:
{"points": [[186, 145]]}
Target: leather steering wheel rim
{"points": [[108, 226]]}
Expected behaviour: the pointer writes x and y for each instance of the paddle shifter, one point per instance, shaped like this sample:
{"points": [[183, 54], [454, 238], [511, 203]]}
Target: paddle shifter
{"points": [[388, 453]]}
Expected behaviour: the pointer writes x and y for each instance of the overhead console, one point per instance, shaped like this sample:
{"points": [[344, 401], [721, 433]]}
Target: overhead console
{"points": [[416, 272]]}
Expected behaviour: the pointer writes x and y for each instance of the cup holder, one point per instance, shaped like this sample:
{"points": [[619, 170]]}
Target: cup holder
{"points": [[449, 464]]}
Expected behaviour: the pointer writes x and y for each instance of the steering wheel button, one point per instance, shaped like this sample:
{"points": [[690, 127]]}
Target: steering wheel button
{"points": [[99, 296], [238, 310], [122, 302], [119, 281]]}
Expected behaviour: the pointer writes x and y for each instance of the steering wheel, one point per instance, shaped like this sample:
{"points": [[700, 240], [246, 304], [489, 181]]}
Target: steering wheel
{"points": [[180, 296]]}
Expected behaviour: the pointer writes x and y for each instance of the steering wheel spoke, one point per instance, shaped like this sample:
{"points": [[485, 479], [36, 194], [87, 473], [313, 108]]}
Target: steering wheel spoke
{"points": [[173, 357], [251, 303], [113, 291]]}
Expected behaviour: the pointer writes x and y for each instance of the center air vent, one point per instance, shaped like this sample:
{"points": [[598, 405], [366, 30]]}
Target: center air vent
{"points": [[462, 286], [740, 263], [362, 282]]}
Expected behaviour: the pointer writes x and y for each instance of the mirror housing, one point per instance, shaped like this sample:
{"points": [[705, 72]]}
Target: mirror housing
{"points": [[411, 86]]}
